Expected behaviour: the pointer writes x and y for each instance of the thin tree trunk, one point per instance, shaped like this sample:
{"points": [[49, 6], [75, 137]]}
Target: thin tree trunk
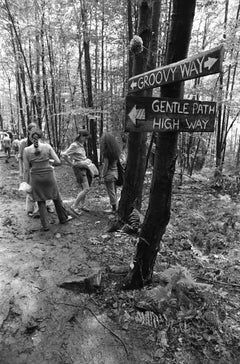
{"points": [[221, 120], [131, 195], [130, 35], [92, 146], [102, 66], [44, 76]]}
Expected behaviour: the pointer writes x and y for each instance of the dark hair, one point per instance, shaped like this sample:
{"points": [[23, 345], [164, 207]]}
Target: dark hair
{"points": [[110, 147], [82, 132], [35, 135], [31, 126]]}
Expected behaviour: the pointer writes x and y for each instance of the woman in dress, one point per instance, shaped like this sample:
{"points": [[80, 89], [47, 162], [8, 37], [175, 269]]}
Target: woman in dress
{"points": [[110, 151], [39, 173], [76, 157]]}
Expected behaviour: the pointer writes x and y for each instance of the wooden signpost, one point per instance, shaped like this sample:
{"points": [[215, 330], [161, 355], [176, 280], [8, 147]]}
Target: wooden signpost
{"points": [[205, 63], [155, 114], [162, 114]]}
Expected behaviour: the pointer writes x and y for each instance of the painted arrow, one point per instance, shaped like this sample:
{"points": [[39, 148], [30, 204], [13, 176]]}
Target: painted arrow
{"points": [[203, 64], [135, 114], [210, 62], [133, 85]]}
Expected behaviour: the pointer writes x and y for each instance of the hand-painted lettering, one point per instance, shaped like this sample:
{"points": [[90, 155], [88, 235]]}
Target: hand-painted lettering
{"points": [[197, 124], [200, 62]]}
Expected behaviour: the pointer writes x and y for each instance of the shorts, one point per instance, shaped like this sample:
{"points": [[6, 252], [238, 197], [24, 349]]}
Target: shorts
{"points": [[82, 175], [7, 149]]}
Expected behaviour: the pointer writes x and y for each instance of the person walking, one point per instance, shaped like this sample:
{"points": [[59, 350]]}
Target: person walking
{"points": [[7, 146], [31, 205], [75, 156], [15, 147], [25, 142], [111, 151], [39, 173]]}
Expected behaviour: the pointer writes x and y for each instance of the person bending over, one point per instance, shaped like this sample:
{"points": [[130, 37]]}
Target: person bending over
{"points": [[76, 157]]}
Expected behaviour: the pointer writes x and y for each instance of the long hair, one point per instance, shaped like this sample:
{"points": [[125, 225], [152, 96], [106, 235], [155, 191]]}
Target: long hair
{"points": [[110, 147]]}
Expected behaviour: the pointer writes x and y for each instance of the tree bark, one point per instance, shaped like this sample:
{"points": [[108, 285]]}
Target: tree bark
{"points": [[158, 212], [135, 170]]}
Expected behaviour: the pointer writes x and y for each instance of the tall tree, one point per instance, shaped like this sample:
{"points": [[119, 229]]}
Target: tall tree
{"points": [[135, 169], [158, 212], [86, 45]]}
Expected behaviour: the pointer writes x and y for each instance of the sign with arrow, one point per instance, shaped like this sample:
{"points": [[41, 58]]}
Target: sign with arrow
{"points": [[165, 114], [203, 64]]}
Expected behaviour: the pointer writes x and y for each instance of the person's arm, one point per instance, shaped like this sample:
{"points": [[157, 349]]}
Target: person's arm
{"points": [[67, 159], [67, 154], [26, 168], [105, 167], [53, 157], [20, 159], [21, 149]]}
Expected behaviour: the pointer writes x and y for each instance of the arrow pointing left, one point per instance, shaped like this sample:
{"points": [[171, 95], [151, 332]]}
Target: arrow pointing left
{"points": [[133, 85], [136, 114]]}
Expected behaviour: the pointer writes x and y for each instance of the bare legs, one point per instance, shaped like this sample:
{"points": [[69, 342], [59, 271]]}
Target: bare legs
{"points": [[81, 197]]}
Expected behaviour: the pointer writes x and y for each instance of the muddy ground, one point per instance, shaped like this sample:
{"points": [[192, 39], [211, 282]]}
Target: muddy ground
{"points": [[40, 322], [47, 316]]}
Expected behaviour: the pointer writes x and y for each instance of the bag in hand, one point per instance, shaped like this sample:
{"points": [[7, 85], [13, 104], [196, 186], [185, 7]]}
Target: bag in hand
{"points": [[119, 181], [25, 187]]}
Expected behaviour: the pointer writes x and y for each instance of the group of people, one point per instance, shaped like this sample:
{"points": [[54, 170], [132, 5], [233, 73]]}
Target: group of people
{"points": [[37, 160]]}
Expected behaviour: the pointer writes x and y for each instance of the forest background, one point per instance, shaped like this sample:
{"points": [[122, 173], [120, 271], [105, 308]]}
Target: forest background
{"points": [[66, 64], [70, 63]]}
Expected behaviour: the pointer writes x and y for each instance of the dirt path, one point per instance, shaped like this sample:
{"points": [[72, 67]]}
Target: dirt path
{"points": [[40, 322], [48, 317]]}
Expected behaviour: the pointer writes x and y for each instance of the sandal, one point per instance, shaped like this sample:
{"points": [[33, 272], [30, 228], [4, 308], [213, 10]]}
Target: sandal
{"points": [[69, 218], [50, 209], [46, 228], [85, 208], [36, 215], [75, 210]]}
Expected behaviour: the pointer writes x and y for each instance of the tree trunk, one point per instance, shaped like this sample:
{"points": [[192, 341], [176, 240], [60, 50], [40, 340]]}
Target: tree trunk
{"points": [[158, 212], [92, 145], [38, 77], [221, 120], [130, 35], [135, 170], [44, 76], [102, 66]]}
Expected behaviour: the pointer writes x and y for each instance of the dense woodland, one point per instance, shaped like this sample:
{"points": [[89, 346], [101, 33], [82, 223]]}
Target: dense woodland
{"points": [[157, 282], [65, 64]]}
